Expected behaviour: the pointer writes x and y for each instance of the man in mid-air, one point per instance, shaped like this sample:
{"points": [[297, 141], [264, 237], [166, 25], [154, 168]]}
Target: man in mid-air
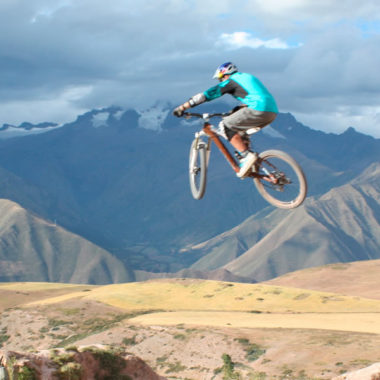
{"points": [[258, 109]]}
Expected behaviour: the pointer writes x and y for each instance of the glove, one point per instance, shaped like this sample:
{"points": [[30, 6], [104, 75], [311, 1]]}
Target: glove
{"points": [[178, 111]]}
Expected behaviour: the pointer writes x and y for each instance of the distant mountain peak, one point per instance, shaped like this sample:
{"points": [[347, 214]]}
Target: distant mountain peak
{"points": [[9, 130], [350, 130], [154, 117]]}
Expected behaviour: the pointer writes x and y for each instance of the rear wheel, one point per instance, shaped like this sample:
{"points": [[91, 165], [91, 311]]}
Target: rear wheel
{"points": [[197, 169], [280, 180]]}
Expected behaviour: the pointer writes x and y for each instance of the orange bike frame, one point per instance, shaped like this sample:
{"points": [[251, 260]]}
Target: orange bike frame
{"points": [[215, 138]]}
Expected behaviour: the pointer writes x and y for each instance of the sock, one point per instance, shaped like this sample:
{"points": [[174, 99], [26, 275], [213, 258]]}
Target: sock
{"points": [[244, 154]]}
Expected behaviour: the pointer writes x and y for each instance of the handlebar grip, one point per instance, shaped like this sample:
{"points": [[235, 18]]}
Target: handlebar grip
{"points": [[192, 114]]}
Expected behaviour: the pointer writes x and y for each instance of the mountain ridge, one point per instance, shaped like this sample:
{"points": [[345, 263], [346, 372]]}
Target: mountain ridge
{"points": [[32, 249], [125, 188], [340, 226]]}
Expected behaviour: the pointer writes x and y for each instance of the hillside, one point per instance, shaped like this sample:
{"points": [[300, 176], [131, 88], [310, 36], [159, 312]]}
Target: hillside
{"points": [[217, 274], [339, 226], [184, 328], [359, 278], [33, 249]]}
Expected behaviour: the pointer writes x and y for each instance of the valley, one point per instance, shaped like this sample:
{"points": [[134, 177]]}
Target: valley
{"points": [[91, 191], [101, 245]]}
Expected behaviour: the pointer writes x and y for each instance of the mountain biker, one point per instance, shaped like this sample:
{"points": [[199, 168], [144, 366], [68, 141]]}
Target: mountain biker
{"points": [[258, 109]]}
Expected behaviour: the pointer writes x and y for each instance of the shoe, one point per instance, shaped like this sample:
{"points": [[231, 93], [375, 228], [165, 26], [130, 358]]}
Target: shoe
{"points": [[246, 164]]}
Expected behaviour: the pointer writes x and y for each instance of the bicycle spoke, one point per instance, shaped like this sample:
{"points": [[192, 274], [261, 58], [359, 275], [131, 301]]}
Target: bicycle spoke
{"points": [[280, 180]]}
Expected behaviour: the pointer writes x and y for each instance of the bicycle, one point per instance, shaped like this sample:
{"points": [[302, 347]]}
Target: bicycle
{"points": [[278, 177]]}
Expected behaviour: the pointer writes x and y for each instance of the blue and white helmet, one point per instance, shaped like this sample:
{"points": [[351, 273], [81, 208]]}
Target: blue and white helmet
{"points": [[225, 69]]}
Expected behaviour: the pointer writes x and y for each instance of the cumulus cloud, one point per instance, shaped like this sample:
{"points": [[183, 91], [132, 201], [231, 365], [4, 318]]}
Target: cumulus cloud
{"points": [[320, 59]]}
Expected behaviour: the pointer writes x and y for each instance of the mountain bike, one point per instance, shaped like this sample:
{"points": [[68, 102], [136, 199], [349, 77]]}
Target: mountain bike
{"points": [[277, 176]]}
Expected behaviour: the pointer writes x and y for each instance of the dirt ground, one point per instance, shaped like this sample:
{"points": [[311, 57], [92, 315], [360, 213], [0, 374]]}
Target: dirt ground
{"points": [[185, 351], [289, 353], [275, 342]]}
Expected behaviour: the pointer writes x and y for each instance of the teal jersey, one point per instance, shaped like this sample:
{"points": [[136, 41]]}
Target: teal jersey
{"points": [[247, 89]]}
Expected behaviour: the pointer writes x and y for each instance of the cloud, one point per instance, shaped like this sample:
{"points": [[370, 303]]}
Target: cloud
{"points": [[237, 40], [61, 108], [319, 59], [49, 10]]}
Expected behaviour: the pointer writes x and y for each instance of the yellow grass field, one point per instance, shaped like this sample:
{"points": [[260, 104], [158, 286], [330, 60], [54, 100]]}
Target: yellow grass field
{"points": [[356, 322], [176, 295], [20, 293], [38, 286]]}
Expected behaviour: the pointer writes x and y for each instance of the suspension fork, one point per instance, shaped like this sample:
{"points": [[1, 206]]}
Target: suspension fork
{"points": [[215, 138]]}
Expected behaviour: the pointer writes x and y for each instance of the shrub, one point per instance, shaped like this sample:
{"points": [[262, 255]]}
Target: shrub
{"points": [[62, 359], [175, 367], [69, 371], [3, 336], [228, 369], [26, 373], [129, 341], [253, 350]]}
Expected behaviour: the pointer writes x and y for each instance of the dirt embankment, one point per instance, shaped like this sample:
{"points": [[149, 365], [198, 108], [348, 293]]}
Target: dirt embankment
{"points": [[78, 363]]}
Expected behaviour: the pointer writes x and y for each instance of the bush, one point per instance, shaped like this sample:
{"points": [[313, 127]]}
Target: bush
{"points": [[26, 373], [69, 371], [253, 350], [228, 369], [129, 341]]}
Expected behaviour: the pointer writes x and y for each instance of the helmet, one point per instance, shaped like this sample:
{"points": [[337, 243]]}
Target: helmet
{"points": [[225, 69]]}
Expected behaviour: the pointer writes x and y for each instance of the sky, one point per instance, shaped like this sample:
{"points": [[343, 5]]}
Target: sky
{"points": [[320, 59]]}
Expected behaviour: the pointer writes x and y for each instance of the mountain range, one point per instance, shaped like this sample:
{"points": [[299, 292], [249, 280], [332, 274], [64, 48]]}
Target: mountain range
{"points": [[341, 225], [118, 180]]}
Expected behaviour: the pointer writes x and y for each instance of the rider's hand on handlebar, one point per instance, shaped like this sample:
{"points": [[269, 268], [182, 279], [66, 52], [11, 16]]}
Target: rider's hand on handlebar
{"points": [[178, 111]]}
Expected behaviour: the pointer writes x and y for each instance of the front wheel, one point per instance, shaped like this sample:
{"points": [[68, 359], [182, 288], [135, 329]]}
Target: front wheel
{"points": [[197, 169], [280, 180]]}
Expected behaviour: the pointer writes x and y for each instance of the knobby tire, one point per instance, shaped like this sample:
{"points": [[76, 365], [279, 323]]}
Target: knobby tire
{"points": [[197, 169], [271, 160]]}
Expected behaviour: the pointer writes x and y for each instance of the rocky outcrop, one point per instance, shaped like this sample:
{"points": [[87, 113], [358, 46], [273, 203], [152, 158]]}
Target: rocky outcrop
{"points": [[84, 363]]}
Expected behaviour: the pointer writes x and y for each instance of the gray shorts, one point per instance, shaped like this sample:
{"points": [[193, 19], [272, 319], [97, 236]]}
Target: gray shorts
{"points": [[246, 118]]}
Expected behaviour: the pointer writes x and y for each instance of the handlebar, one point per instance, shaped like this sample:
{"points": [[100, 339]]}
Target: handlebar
{"points": [[205, 116]]}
